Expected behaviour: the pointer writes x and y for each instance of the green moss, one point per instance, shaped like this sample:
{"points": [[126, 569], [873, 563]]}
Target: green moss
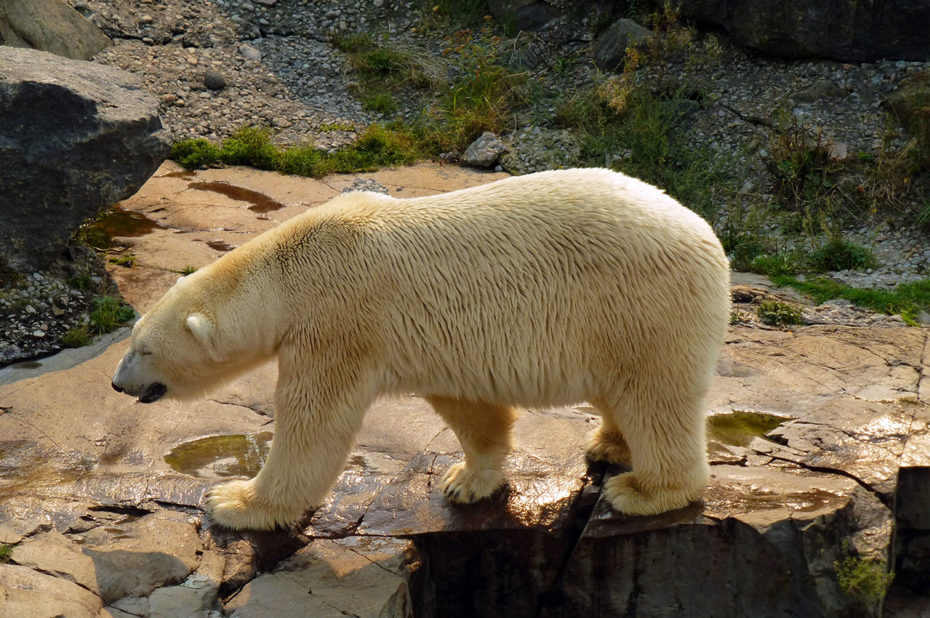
{"points": [[739, 428], [5, 552], [775, 313], [864, 579]]}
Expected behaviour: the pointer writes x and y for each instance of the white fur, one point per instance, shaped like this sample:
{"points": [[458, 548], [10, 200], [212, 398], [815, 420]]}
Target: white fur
{"points": [[547, 289]]}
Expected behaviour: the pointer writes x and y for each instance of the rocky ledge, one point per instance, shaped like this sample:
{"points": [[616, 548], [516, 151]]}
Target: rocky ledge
{"points": [[819, 442]]}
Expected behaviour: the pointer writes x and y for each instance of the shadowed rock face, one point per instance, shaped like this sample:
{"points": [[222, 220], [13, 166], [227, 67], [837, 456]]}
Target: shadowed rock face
{"points": [[852, 30], [75, 137], [819, 450]]}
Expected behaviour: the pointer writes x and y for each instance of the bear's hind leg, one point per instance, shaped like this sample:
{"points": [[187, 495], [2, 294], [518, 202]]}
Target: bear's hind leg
{"points": [[666, 435], [606, 443], [484, 432]]}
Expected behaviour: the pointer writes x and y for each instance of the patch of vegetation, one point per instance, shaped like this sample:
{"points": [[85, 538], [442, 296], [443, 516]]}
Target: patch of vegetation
{"points": [[840, 254], [380, 102], [188, 270], [80, 282], [864, 579], [803, 167], [905, 299], [5, 552], [376, 146], [77, 337], [775, 313], [336, 126], [126, 260], [109, 313], [484, 95]]}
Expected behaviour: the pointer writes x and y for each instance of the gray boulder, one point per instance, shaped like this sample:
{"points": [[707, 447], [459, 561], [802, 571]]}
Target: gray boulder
{"points": [[847, 30], [522, 14], [50, 25], [609, 49], [484, 151], [75, 137]]}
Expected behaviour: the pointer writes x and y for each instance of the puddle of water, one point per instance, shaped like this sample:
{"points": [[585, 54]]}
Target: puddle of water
{"points": [[184, 174], [219, 245], [739, 428], [221, 456], [118, 222], [261, 203], [27, 365]]}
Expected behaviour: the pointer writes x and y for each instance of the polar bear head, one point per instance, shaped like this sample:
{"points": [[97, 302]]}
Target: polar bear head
{"points": [[186, 344]]}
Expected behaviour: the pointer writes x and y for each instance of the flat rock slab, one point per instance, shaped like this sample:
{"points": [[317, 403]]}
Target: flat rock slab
{"points": [[98, 518]]}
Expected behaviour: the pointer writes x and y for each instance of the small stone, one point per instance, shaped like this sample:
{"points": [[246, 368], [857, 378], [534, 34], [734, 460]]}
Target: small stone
{"points": [[214, 81], [249, 53], [38, 334], [267, 2], [30, 309], [146, 19]]}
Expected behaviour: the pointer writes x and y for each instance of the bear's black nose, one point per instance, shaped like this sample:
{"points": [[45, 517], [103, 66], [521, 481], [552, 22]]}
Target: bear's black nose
{"points": [[115, 387]]}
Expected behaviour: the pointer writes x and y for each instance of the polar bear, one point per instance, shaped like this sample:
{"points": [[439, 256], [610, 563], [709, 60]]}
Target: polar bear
{"points": [[547, 289]]}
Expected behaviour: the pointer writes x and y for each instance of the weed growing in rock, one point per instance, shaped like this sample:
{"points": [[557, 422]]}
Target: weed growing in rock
{"points": [[5, 552], [863, 579], [77, 337], [775, 313], [126, 260], [109, 313], [188, 270]]}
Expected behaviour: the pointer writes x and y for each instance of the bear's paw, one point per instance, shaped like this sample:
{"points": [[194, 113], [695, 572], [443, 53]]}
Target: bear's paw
{"points": [[628, 494], [234, 505], [465, 485], [606, 445]]}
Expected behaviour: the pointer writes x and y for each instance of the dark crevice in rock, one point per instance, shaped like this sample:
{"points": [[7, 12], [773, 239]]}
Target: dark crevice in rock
{"points": [[253, 408], [886, 500], [750, 118]]}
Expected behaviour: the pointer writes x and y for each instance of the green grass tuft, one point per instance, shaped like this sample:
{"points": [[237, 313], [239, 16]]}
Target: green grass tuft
{"points": [[77, 337], [5, 552], [109, 313], [776, 313]]}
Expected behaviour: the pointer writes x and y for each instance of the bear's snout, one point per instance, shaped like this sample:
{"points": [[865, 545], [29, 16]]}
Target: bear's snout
{"points": [[116, 388]]}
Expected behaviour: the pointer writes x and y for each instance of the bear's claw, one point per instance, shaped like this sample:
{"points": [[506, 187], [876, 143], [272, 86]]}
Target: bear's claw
{"points": [[464, 485]]}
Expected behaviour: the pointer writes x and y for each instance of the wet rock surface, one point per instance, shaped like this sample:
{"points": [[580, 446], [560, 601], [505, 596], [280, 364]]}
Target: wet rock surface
{"points": [[818, 438]]}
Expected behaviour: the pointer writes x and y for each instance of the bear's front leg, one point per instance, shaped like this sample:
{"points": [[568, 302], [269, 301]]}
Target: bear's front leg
{"points": [[318, 412]]}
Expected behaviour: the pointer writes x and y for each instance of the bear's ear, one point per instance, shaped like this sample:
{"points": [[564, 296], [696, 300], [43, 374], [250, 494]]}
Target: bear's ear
{"points": [[201, 328]]}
